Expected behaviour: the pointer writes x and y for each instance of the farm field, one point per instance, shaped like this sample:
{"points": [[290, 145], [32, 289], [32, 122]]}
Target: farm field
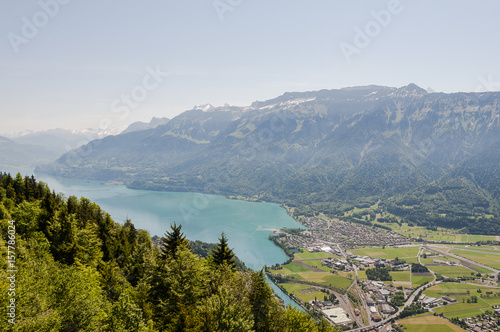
{"points": [[400, 276], [435, 255], [462, 292], [312, 255], [416, 281], [477, 238], [410, 260], [430, 235], [492, 249], [295, 268], [441, 234], [388, 252], [452, 271], [304, 292], [362, 275], [480, 257], [428, 322], [318, 264], [482, 270], [311, 269]]}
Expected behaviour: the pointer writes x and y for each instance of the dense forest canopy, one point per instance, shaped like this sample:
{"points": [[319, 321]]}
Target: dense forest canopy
{"points": [[78, 270]]}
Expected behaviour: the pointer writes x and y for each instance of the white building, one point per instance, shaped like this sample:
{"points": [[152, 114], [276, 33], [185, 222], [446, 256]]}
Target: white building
{"points": [[337, 316]]}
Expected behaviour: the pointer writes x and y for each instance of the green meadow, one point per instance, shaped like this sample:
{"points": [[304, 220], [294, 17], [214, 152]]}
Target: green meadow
{"points": [[485, 258], [387, 252], [462, 292]]}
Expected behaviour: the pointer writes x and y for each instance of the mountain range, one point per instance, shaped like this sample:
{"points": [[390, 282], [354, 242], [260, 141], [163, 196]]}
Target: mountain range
{"points": [[14, 155], [25, 150], [430, 158]]}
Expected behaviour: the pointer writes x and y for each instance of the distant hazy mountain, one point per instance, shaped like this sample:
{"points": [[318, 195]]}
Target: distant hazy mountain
{"points": [[328, 149], [21, 157], [27, 149], [61, 140], [138, 126]]}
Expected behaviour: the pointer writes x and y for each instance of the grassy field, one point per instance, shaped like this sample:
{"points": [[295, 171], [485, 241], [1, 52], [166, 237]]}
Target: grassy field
{"points": [[337, 281], [362, 275], [312, 255], [442, 234], [477, 238], [480, 257], [482, 270], [428, 322], [284, 272], [296, 268], [318, 264], [388, 252], [400, 276], [462, 292], [429, 259], [493, 249], [417, 281], [414, 231], [452, 271], [325, 277], [465, 313], [410, 260], [304, 292]]}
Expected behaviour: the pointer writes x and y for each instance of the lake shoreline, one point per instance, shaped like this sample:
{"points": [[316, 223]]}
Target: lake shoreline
{"points": [[203, 215]]}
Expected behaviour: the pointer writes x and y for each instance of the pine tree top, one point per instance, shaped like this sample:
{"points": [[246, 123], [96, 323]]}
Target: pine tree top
{"points": [[173, 240], [223, 254]]}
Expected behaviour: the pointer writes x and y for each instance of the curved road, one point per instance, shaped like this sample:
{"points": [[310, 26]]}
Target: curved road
{"points": [[414, 294], [408, 302]]}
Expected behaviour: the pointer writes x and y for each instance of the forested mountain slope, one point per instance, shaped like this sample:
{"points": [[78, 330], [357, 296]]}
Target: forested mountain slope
{"points": [[318, 151]]}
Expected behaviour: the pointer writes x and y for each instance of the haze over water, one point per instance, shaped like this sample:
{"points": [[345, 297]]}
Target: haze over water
{"points": [[203, 217]]}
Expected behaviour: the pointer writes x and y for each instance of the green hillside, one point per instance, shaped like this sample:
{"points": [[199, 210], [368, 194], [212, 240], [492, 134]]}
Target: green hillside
{"points": [[72, 268]]}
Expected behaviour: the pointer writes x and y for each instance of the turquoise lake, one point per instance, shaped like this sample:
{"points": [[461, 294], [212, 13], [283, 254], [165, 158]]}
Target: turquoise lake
{"points": [[247, 225]]}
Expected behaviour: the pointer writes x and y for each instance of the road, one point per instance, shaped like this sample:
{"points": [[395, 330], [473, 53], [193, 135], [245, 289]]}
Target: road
{"points": [[346, 304], [407, 303], [358, 319], [343, 302], [420, 252], [417, 291]]}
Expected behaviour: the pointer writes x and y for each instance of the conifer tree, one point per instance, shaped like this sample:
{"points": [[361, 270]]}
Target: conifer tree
{"points": [[261, 301], [223, 254], [173, 240]]}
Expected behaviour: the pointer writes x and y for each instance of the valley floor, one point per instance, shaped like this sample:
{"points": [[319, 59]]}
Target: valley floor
{"points": [[360, 277]]}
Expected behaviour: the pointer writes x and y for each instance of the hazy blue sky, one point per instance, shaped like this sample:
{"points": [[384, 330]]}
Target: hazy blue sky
{"points": [[69, 63]]}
